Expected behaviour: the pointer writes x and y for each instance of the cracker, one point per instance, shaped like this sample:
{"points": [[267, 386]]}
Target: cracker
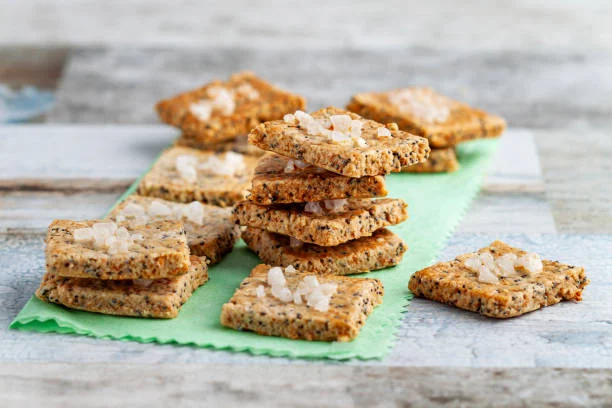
{"points": [[462, 123], [271, 104], [454, 284], [348, 310], [360, 218], [271, 184], [440, 161], [382, 155], [381, 250], [164, 181], [213, 238], [158, 298], [239, 145], [163, 252]]}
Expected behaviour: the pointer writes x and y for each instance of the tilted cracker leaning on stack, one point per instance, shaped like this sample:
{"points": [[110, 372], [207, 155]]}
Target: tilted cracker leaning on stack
{"points": [[219, 115], [314, 212], [424, 112]]}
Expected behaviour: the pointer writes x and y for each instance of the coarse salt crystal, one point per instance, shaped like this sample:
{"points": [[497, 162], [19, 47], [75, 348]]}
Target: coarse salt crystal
{"points": [[260, 291], [132, 210], [248, 91], [311, 282], [339, 137], [356, 126], [328, 289], [120, 218], [487, 276], [276, 277], [383, 132], [360, 142], [106, 228], [289, 118], [313, 207], [290, 269], [83, 234], [194, 212], [290, 167], [297, 298], [202, 109], [137, 237], [122, 233], [285, 295], [335, 205], [505, 264], [300, 164], [158, 209], [341, 123], [224, 102], [530, 262]]}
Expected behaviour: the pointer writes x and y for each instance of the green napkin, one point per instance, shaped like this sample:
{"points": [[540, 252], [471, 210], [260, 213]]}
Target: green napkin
{"points": [[436, 203]]}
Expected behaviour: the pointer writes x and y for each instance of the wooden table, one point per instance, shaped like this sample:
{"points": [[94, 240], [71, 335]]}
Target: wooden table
{"points": [[548, 191]]}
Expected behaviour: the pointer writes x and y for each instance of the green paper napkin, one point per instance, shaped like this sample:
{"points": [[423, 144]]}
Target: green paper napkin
{"points": [[436, 203]]}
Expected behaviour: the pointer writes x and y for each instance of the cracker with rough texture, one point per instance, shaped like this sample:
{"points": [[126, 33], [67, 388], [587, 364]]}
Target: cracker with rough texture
{"points": [[157, 298], [214, 238], [164, 181], [461, 124], [271, 103], [440, 161], [359, 218], [454, 284], [239, 145], [349, 308], [383, 249], [382, 155], [271, 184], [162, 252]]}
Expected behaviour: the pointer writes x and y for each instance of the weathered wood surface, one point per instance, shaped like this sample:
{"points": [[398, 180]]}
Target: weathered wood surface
{"points": [[533, 25], [96, 163], [564, 92], [103, 385], [572, 335]]}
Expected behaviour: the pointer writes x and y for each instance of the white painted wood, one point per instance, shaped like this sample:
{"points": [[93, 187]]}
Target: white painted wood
{"points": [[123, 152], [570, 334], [222, 385], [48, 152], [276, 24]]}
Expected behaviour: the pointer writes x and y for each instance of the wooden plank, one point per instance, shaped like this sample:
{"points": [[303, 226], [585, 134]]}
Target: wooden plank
{"points": [[119, 153], [101, 385], [26, 211], [567, 335], [241, 23]]}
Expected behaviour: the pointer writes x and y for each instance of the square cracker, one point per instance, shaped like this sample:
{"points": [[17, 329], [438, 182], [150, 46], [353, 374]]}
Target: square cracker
{"points": [[382, 155], [360, 218], [383, 249], [214, 238], [158, 298], [162, 253], [348, 308], [463, 122], [239, 145], [271, 104], [454, 284], [271, 184], [164, 181], [440, 161]]}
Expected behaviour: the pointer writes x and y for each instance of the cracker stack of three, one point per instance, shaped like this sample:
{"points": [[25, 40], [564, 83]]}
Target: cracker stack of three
{"points": [[422, 111], [225, 127], [316, 204]]}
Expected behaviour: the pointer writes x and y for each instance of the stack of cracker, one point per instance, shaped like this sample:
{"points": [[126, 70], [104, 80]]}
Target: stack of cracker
{"points": [[218, 116], [424, 112], [144, 260], [314, 205]]}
